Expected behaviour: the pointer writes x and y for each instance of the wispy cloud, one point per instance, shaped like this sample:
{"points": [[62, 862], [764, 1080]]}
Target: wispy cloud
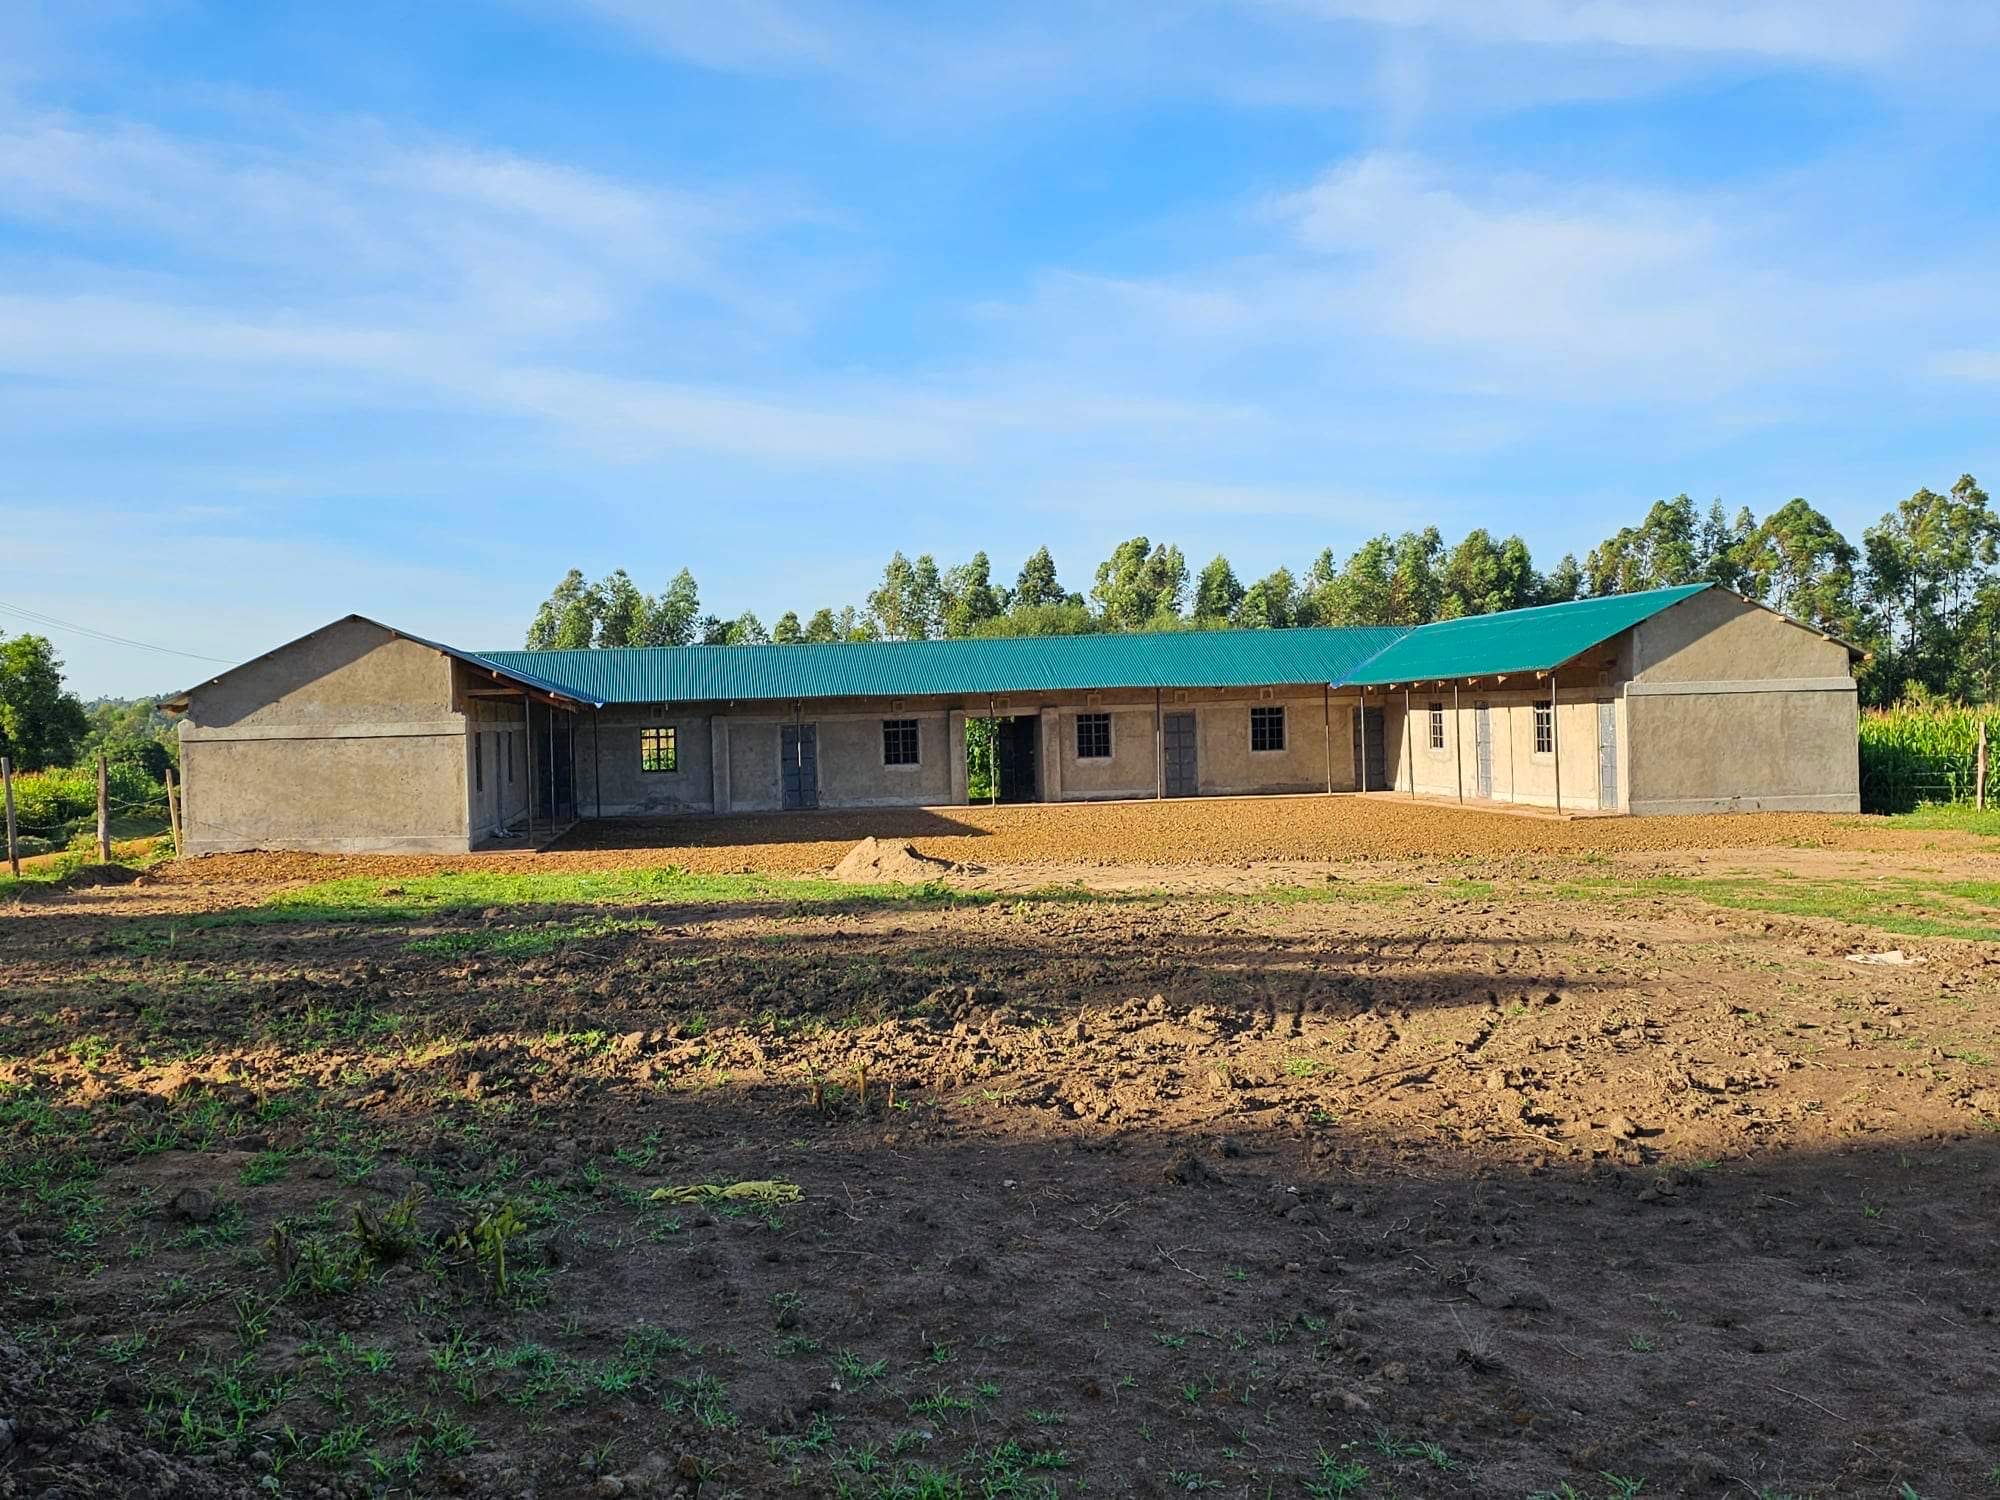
{"points": [[1809, 30], [1967, 364]]}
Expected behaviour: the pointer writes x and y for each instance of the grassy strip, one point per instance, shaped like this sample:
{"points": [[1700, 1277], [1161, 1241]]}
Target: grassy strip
{"points": [[1911, 908], [364, 899], [417, 896], [1955, 817]]}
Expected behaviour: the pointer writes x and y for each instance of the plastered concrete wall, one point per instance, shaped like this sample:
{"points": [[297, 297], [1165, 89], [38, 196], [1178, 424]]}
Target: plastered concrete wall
{"points": [[350, 673], [347, 741], [1131, 770], [610, 747], [852, 774], [333, 795], [1717, 637], [1520, 774], [754, 780], [1226, 764], [1747, 752], [1735, 708]]}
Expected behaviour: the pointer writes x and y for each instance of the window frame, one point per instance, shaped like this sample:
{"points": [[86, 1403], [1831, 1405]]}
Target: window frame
{"points": [[1436, 726], [899, 728], [652, 739], [1093, 720], [1267, 714], [1545, 718]]}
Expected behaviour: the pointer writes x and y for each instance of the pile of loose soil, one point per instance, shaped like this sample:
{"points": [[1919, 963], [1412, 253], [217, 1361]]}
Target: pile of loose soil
{"points": [[86, 876], [876, 861]]}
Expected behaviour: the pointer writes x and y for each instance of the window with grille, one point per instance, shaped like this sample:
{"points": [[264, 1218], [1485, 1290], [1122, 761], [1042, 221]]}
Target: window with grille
{"points": [[478, 761], [1267, 728], [1437, 726], [659, 749], [1093, 736], [899, 742], [1545, 728]]}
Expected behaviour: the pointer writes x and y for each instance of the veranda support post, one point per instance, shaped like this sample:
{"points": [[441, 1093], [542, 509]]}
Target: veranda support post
{"points": [[1457, 743], [1409, 744], [1555, 738], [1362, 733], [1326, 730]]}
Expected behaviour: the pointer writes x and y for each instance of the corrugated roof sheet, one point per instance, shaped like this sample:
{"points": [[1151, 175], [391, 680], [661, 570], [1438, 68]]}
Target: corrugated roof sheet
{"points": [[1517, 640], [896, 669]]}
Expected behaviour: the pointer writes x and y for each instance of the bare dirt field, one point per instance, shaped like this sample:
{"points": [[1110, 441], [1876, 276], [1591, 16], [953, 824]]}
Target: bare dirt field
{"points": [[1534, 1158]]}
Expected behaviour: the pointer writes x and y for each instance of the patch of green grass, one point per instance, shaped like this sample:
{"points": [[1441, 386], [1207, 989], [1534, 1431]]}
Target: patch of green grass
{"points": [[525, 942], [410, 899], [265, 1166], [1335, 1477], [1912, 908], [1954, 817]]}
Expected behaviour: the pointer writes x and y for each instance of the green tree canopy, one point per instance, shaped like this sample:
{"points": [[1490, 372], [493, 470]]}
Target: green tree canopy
{"points": [[1481, 576], [669, 617], [1140, 583], [579, 614], [746, 630], [969, 598], [1930, 566], [909, 604], [1798, 562], [1037, 586], [1271, 603], [42, 723], [1217, 593]]}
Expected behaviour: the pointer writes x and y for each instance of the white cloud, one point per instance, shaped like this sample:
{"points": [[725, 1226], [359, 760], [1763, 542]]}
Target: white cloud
{"points": [[746, 35], [1809, 30], [347, 211], [1967, 364]]}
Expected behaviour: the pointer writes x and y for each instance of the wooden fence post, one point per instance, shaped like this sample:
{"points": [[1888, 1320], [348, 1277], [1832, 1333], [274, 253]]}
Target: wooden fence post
{"points": [[13, 843], [174, 811], [1979, 771], [103, 811]]}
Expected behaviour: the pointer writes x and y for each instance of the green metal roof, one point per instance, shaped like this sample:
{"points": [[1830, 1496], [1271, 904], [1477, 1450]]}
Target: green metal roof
{"points": [[896, 669], [1516, 640]]}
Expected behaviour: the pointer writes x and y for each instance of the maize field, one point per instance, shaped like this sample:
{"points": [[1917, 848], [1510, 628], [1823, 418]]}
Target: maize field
{"points": [[1921, 752]]}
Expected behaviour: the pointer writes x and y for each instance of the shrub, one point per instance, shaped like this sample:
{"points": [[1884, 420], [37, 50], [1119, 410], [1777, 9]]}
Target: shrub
{"points": [[52, 803]]}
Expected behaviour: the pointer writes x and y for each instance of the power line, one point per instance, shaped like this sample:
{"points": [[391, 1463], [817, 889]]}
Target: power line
{"points": [[38, 618]]}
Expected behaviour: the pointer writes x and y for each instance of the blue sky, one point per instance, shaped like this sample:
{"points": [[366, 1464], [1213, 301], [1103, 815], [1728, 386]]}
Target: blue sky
{"points": [[405, 309]]}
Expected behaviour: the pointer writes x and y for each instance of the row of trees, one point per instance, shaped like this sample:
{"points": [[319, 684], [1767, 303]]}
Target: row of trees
{"points": [[1922, 591]]}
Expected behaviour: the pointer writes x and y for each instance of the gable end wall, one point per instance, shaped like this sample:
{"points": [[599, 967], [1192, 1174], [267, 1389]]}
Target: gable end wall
{"points": [[1732, 708], [351, 740]]}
